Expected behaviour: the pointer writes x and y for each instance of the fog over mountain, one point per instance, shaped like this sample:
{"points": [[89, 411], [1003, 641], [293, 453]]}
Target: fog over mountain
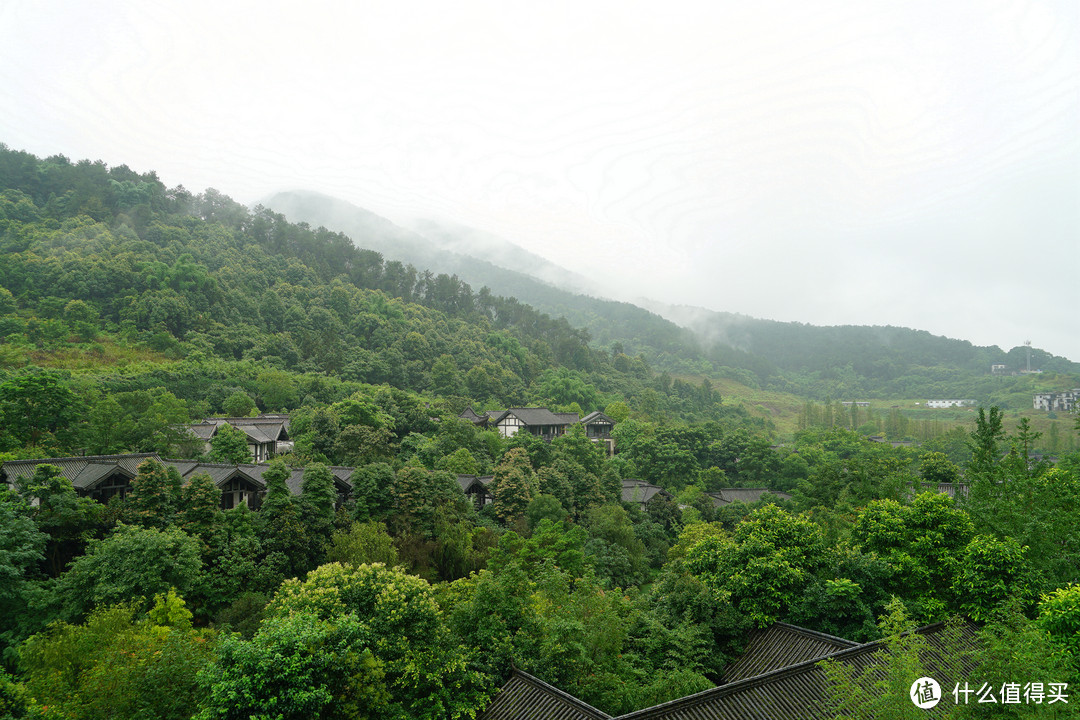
{"points": [[427, 244], [910, 164], [482, 259]]}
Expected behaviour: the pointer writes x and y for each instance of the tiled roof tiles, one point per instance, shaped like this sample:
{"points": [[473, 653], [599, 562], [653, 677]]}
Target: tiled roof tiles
{"points": [[525, 697]]}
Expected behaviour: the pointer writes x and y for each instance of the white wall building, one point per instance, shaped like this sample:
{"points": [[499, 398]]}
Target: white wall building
{"points": [[950, 403]]}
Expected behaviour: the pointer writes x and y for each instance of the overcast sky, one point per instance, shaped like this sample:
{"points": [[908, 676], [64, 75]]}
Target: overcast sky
{"points": [[833, 162]]}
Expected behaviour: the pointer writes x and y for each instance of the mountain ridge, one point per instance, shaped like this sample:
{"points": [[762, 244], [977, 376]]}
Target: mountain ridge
{"points": [[742, 341]]}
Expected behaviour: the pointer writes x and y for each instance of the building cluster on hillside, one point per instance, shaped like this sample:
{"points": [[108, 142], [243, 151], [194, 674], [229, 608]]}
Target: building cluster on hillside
{"points": [[778, 676], [1066, 401], [102, 477], [544, 423]]}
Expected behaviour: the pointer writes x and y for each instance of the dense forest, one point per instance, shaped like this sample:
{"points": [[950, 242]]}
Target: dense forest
{"points": [[128, 309]]}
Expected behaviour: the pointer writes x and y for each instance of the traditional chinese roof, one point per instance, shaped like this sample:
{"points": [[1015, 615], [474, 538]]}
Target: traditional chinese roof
{"points": [[799, 692], [779, 646], [262, 429], [204, 430], [723, 496], [642, 492], [794, 692], [468, 481], [83, 471], [470, 415], [525, 697], [86, 471], [535, 416], [220, 473]]}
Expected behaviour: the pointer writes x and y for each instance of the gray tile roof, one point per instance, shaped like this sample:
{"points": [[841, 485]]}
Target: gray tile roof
{"points": [[467, 481], [294, 481], [535, 416], [83, 471], [723, 496], [795, 692], [779, 646], [798, 692], [261, 429], [539, 416], [186, 468], [470, 415], [642, 492], [525, 697], [220, 473], [204, 430]]}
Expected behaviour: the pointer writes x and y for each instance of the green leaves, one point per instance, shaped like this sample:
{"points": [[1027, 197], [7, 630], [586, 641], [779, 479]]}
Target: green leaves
{"points": [[922, 543], [37, 408], [131, 563], [115, 666], [296, 667], [765, 566], [991, 574], [1059, 615], [366, 636], [229, 445]]}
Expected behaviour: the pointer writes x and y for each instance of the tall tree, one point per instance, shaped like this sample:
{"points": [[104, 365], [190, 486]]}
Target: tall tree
{"points": [[200, 512], [155, 495], [69, 520], [131, 564], [513, 485], [229, 445], [285, 538], [318, 497], [22, 548], [985, 444], [37, 406]]}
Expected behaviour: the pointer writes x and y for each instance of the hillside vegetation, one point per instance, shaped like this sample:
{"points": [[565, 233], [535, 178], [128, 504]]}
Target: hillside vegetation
{"points": [[841, 363], [128, 309]]}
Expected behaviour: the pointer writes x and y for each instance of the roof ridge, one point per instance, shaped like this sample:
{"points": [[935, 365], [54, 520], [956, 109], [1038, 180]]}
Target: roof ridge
{"points": [[580, 704], [817, 634], [69, 458], [766, 678]]}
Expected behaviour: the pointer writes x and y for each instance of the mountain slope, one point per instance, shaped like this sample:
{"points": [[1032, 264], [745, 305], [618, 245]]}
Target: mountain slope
{"points": [[437, 247], [816, 361]]}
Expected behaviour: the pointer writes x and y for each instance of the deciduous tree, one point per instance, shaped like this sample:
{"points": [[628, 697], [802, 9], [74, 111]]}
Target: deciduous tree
{"points": [[229, 445]]}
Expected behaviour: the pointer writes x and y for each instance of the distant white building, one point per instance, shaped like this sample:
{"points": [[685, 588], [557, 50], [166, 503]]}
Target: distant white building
{"points": [[950, 403], [1064, 401]]}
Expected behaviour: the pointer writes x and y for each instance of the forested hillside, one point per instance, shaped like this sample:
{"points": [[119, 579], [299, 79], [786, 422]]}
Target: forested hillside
{"points": [[94, 250], [128, 309], [812, 362], [610, 324]]}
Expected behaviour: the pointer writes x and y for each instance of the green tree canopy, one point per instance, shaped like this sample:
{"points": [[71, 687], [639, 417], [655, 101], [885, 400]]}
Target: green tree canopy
{"points": [[132, 563], [229, 445]]}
